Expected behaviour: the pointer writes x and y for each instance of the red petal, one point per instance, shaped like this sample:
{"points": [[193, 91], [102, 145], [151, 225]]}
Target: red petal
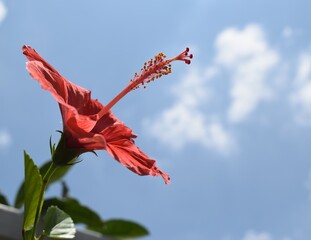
{"points": [[121, 146], [75, 99], [130, 156]]}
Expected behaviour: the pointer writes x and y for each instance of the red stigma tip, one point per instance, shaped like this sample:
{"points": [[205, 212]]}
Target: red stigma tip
{"points": [[184, 56]]}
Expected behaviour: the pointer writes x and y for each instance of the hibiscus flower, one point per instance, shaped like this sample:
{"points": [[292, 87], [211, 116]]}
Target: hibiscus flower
{"points": [[88, 125]]}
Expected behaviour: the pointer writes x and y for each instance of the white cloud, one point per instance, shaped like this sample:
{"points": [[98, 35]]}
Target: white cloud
{"points": [[287, 32], [301, 96], [192, 91], [218, 138], [250, 60], [180, 125], [5, 139], [251, 235], [3, 11], [184, 122], [247, 54], [304, 68]]}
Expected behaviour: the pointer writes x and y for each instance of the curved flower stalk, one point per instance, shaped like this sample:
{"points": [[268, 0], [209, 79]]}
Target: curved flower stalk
{"points": [[88, 125]]}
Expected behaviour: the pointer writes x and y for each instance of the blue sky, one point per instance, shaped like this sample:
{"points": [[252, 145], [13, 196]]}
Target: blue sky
{"points": [[232, 129]]}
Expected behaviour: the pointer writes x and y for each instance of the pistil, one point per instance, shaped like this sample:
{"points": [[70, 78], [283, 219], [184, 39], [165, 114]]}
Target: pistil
{"points": [[153, 69]]}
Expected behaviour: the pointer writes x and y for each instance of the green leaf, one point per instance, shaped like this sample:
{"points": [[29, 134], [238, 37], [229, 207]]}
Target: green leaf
{"points": [[19, 199], [3, 200], [33, 184], [122, 228], [84, 215], [58, 224], [58, 174], [78, 212]]}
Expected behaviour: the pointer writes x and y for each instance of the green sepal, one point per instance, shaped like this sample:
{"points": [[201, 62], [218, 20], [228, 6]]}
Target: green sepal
{"points": [[63, 156], [52, 146]]}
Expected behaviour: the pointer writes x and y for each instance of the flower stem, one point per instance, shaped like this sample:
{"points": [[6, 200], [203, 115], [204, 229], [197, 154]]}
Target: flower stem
{"points": [[45, 182]]}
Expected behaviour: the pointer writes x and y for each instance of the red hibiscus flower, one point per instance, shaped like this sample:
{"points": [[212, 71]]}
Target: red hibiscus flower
{"points": [[87, 124]]}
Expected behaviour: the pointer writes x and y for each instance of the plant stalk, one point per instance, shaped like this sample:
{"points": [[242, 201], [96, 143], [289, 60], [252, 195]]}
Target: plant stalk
{"points": [[45, 182]]}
